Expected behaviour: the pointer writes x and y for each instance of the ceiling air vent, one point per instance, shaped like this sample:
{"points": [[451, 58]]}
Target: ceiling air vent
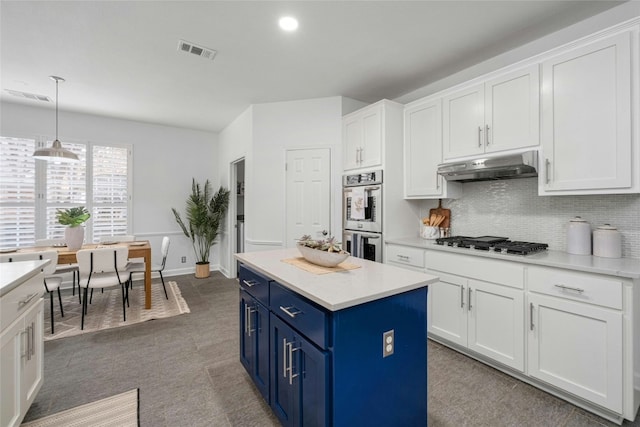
{"points": [[27, 95], [188, 47]]}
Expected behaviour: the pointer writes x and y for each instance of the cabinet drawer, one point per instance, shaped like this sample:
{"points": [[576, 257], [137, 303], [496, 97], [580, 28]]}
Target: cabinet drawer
{"points": [[300, 313], [576, 286], [406, 255], [15, 303], [255, 284], [505, 273]]}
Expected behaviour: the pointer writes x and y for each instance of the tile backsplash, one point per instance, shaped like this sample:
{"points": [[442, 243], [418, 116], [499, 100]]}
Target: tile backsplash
{"points": [[512, 208]]}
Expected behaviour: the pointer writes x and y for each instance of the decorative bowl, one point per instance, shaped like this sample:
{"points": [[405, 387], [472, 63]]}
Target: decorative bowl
{"points": [[323, 258]]}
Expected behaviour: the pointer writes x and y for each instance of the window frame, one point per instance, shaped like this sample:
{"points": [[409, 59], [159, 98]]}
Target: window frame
{"points": [[41, 202]]}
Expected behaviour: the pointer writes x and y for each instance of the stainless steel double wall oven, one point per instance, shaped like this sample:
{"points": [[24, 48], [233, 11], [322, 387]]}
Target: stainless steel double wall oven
{"points": [[362, 215]]}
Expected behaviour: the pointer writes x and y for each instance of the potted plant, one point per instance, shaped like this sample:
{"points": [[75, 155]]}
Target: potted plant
{"points": [[73, 218], [205, 214]]}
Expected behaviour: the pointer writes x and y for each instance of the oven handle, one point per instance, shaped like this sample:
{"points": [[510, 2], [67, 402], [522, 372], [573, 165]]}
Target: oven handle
{"points": [[348, 189], [362, 233]]}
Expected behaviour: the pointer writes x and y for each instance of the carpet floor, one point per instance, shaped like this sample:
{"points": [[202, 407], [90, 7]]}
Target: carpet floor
{"points": [[188, 373], [120, 410], [105, 310]]}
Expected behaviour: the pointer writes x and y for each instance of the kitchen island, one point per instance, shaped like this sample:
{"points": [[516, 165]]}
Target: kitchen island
{"points": [[343, 348], [21, 338]]}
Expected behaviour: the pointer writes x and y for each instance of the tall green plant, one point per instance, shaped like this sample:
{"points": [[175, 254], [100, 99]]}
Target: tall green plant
{"points": [[205, 214]]}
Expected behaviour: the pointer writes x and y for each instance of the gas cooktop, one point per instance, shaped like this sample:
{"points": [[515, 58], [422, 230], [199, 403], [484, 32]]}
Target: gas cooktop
{"points": [[493, 243]]}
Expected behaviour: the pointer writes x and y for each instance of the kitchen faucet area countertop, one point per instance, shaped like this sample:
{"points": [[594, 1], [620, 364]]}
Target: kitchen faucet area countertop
{"points": [[336, 291], [621, 267]]}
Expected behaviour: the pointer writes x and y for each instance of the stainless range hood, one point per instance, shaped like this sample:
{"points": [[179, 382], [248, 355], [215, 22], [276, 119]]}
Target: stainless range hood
{"points": [[522, 165]]}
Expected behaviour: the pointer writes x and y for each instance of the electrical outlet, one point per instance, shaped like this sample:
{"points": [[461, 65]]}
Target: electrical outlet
{"points": [[184, 259], [388, 343]]}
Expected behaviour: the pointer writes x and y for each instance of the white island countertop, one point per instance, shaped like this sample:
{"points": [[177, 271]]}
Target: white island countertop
{"points": [[339, 290], [620, 267], [13, 274]]}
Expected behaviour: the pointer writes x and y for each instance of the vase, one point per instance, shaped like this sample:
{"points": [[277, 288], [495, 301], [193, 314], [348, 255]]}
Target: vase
{"points": [[202, 270], [74, 237]]}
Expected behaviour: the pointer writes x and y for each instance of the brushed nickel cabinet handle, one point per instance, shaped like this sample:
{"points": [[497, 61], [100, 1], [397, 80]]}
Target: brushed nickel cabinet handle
{"points": [[27, 300], [250, 283], [486, 134], [461, 296], [469, 298], [284, 357], [288, 311], [33, 339], [479, 136], [531, 316], [569, 288], [547, 166]]}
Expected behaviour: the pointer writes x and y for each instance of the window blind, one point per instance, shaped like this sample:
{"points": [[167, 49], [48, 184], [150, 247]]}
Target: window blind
{"points": [[32, 191]]}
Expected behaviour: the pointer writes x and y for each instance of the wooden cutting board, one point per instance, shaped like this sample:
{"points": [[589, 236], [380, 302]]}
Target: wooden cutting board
{"points": [[446, 223]]}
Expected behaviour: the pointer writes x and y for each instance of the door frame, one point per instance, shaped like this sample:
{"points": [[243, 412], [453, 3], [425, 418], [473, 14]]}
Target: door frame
{"points": [[233, 213]]}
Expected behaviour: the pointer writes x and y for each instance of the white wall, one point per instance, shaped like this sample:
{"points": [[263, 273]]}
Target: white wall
{"points": [[234, 143], [165, 159], [262, 135]]}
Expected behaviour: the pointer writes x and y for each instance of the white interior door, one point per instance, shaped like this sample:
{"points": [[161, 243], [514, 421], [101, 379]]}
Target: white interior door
{"points": [[308, 195]]}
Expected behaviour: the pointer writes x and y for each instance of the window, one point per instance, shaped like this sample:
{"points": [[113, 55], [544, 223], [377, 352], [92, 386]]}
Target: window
{"points": [[32, 191]]}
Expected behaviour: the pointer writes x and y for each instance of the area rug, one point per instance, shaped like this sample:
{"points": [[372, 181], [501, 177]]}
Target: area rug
{"points": [[105, 310], [120, 410]]}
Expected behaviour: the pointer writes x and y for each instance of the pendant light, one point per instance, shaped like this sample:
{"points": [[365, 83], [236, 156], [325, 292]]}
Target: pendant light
{"points": [[56, 153]]}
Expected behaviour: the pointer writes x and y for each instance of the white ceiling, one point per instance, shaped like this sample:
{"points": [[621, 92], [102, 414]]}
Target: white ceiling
{"points": [[120, 58]]}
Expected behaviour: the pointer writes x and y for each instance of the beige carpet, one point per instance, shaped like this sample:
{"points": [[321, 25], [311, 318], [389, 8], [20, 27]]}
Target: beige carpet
{"points": [[120, 410], [105, 311]]}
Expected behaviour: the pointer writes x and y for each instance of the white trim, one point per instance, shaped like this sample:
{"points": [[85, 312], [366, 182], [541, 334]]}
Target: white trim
{"points": [[264, 242]]}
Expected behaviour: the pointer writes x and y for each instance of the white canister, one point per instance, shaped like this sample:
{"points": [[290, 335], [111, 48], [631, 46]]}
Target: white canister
{"points": [[579, 237], [607, 242]]}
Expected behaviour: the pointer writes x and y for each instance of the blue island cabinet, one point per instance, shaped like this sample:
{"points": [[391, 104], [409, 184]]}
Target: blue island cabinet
{"points": [[254, 331], [330, 368]]}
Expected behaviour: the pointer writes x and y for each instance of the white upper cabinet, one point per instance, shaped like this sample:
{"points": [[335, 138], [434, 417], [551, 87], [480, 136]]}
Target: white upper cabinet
{"points": [[464, 122], [423, 152], [512, 110], [496, 115], [362, 132], [588, 100]]}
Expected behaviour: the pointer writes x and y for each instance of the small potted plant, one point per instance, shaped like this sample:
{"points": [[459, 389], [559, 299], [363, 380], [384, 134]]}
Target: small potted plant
{"points": [[205, 214], [73, 218], [325, 252]]}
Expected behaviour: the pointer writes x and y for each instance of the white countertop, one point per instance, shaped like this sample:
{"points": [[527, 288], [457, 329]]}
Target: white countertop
{"points": [[13, 274], [620, 267], [336, 291]]}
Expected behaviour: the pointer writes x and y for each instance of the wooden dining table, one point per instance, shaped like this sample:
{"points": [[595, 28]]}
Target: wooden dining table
{"points": [[137, 249]]}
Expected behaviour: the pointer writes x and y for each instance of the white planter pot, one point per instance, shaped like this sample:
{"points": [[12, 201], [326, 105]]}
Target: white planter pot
{"points": [[74, 237]]}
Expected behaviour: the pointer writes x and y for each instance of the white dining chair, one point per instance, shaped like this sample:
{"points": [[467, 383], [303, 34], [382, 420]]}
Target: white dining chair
{"points": [[62, 268], [139, 267], [51, 283], [103, 268]]}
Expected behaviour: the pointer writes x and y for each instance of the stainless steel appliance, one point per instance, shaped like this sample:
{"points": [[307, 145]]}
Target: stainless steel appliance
{"points": [[362, 215], [361, 244], [523, 165]]}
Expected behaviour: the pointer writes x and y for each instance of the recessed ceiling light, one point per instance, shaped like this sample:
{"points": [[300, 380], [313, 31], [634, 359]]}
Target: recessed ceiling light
{"points": [[288, 23]]}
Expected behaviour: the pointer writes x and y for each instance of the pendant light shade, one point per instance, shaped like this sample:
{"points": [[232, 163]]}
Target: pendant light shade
{"points": [[56, 153]]}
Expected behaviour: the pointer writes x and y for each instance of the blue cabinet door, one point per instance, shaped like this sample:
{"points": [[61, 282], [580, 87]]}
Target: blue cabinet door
{"points": [[261, 368], [298, 378], [314, 369], [246, 343], [254, 341], [285, 388]]}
